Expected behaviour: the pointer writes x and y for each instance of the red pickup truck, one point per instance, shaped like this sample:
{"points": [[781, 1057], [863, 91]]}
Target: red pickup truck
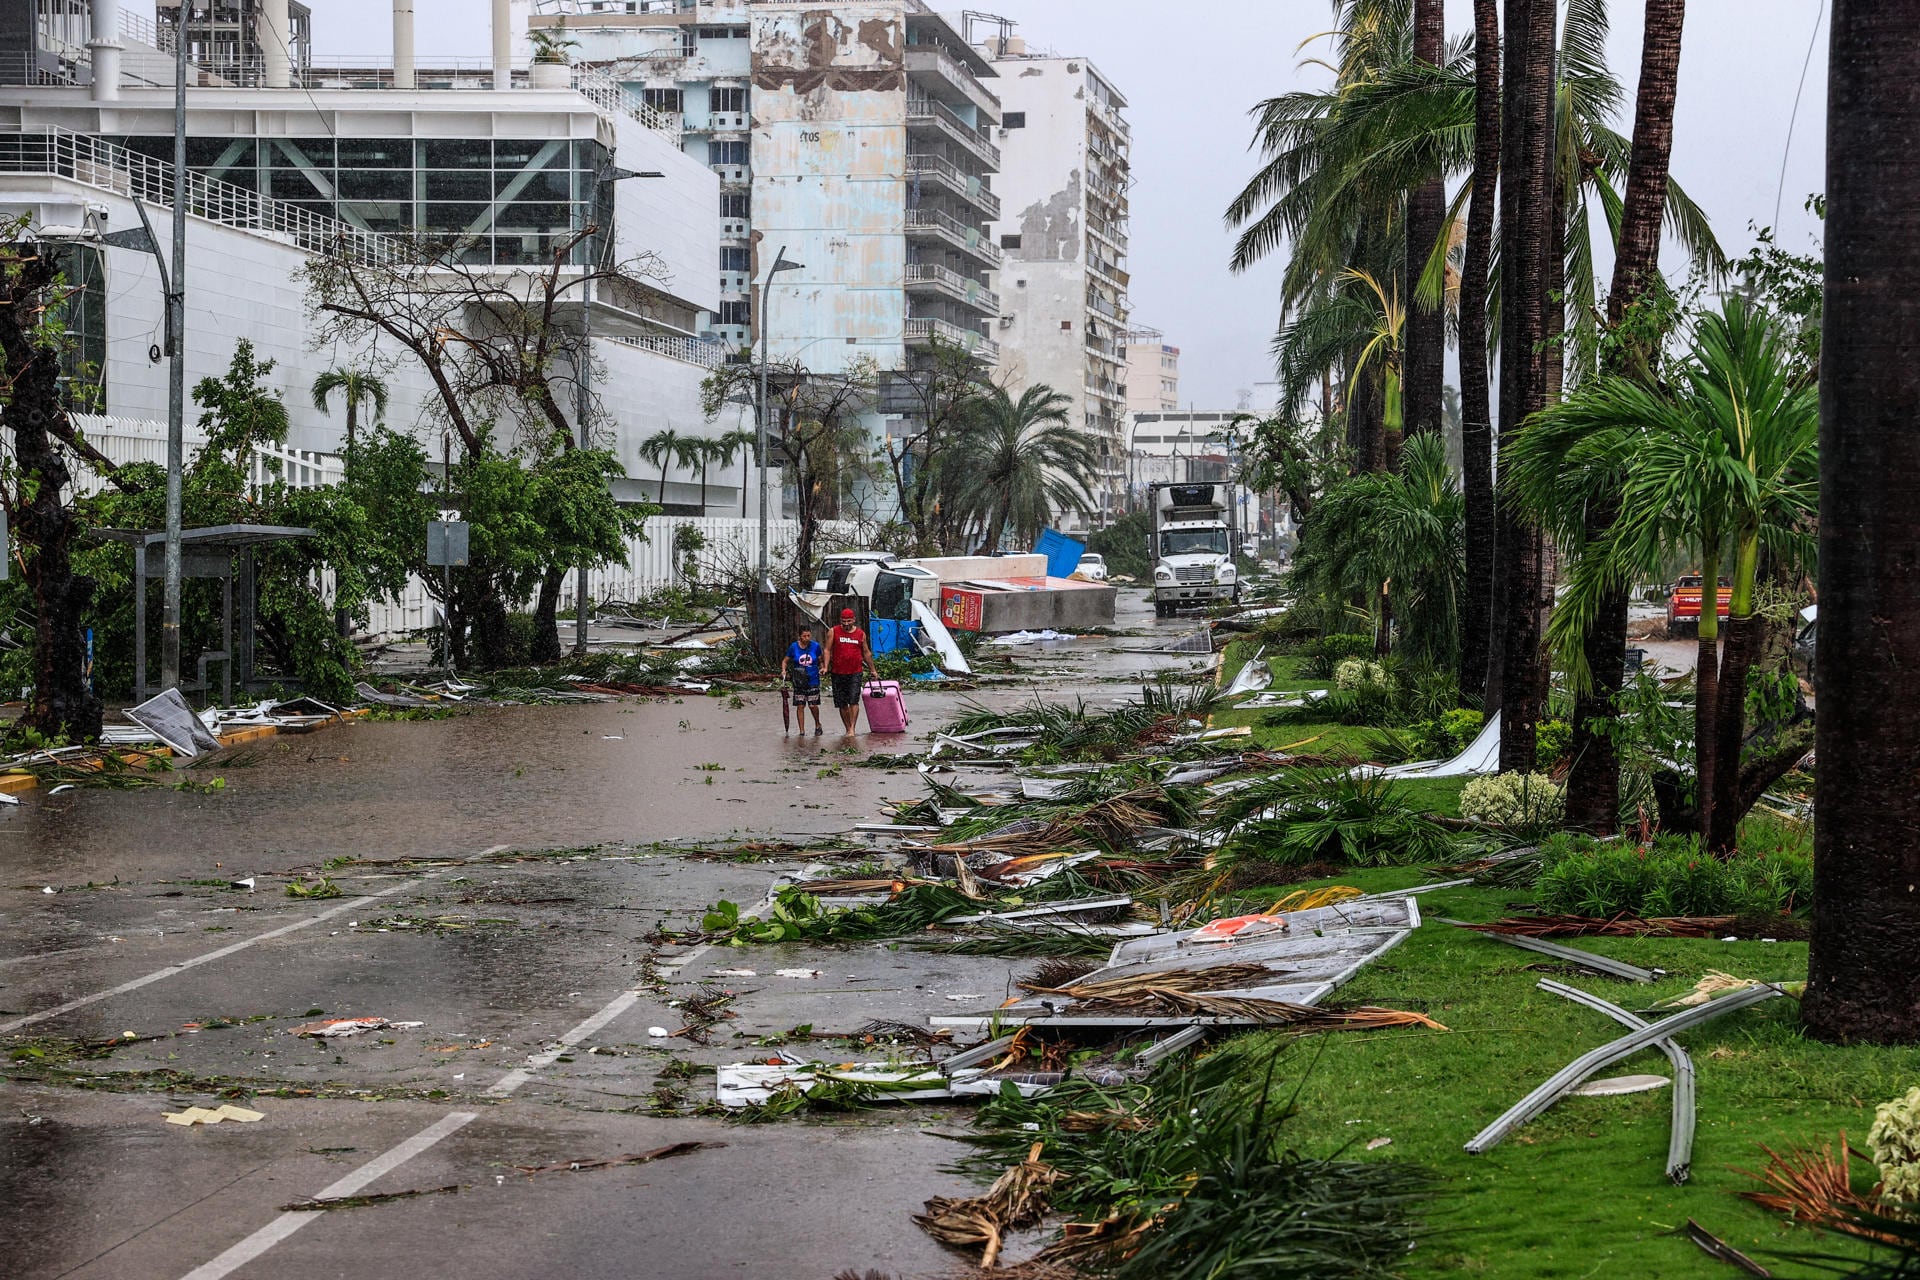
{"points": [[1683, 603]]}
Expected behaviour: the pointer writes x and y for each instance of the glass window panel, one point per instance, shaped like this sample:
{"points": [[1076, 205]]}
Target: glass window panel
{"points": [[458, 153], [476, 184], [446, 218], [375, 153], [296, 184], [511, 153], [380, 216], [296, 153], [545, 184], [535, 214], [376, 184]]}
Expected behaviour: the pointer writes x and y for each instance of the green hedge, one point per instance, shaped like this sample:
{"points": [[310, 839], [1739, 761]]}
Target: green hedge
{"points": [[1580, 876]]}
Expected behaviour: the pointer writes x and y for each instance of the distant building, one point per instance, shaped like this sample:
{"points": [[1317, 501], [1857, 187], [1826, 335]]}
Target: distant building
{"points": [[1153, 372], [1063, 288]]}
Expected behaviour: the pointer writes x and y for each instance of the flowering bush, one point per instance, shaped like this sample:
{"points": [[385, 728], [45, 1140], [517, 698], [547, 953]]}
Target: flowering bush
{"points": [[1357, 673], [1519, 801], [1894, 1143]]}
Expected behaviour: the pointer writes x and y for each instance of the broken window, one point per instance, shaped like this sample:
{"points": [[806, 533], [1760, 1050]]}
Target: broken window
{"points": [[1010, 242], [663, 99], [736, 311], [1066, 326], [1014, 120]]}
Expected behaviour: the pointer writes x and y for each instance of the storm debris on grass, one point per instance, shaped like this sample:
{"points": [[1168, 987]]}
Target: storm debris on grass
{"points": [[614, 1162]]}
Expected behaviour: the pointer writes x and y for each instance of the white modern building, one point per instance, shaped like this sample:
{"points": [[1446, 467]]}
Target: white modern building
{"points": [[1064, 174], [290, 150]]}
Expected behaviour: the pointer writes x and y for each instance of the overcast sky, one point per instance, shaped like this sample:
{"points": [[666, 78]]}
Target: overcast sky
{"points": [[1191, 76]]}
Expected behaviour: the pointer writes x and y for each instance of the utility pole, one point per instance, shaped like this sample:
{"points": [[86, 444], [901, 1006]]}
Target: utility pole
{"points": [[177, 373], [780, 264]]}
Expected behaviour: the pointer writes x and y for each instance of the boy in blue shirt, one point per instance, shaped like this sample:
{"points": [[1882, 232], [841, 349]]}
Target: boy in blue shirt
{"points": [[801, 670]]}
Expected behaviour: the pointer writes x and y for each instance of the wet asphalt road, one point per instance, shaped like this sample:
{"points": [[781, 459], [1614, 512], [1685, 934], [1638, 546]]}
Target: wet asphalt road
{"points": [[500, 875]]}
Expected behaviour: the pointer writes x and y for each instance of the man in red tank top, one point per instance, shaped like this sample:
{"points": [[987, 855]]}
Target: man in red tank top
{"points": [[847, 656]]}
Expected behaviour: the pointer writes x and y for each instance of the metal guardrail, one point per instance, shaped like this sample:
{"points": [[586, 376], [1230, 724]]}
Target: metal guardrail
{"points": [[972, 291], [970, 238], [97, 163], [923, 109], [604, 91], [927, 328], [708, 355], [968, 185], [19, 68]]}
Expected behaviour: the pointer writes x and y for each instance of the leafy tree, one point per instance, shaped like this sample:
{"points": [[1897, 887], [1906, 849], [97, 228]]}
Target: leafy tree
{"points": [[940, 393], [662, 448], [1719, 458], [1023, 464]]}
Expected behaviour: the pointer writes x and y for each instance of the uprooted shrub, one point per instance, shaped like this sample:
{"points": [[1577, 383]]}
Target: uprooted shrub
{"points": [[1670, 877], [1523, 803], [1354, 817]]}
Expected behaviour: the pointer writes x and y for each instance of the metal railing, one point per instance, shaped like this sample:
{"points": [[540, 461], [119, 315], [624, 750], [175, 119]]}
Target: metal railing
{"points": [[970, 291], [920, 110], [604, 91], [972, 239], [97, 163], [19, 68], [140, 27], [924, 329], [931, 57], [969, 186], [708, 355]]}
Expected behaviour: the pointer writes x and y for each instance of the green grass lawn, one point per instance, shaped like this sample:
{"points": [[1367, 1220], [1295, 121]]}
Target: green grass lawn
{"points": [[1579, 1192]]}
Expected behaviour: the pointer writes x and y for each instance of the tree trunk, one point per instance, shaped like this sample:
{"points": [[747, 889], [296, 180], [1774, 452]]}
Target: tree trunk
{"points": [[1706, 693], [1593, 787], [492, 644], [1526, 214], [61, 704], [546, 617], [1366, 425], [1426, 330], [1866, 912], [1476, 407], [1730, 733]]}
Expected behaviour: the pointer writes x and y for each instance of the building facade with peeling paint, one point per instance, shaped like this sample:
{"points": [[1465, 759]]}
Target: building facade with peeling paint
{"points": [[1064, 175], [1153, 371]]}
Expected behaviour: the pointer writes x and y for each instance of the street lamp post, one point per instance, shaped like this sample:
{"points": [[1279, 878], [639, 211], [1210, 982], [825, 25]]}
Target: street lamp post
{"points": [[177, 372], [780, 264]]}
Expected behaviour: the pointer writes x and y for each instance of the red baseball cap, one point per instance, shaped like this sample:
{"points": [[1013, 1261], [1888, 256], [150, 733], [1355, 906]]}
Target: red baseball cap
{"points": [[846, 613]]}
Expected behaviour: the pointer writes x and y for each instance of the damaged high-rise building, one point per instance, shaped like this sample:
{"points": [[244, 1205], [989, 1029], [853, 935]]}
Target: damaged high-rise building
{"points": [[1063, 182]]}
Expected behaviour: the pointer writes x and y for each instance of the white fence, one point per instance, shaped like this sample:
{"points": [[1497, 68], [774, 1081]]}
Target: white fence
{"points": [[728, 543]]}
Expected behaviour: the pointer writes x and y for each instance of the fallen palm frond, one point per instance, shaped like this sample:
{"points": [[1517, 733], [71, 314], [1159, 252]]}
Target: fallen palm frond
{"points": [[1223, 977], [1816, 1188], [1547, 926], [1186, 991], [1059, 940], [107, 767], [1339, 815], [614, 1162], [1018, 1198], [1707, 988]]}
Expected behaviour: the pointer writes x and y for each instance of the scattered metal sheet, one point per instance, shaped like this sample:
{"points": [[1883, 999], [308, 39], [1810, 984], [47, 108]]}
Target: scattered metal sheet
{"points": [[174, 723], [1680, 1131], [367, 693], [1618, 1086], [1399, 913], [747, 1084], [1268, 701], [1481, 756], [1252, 677], [1626, 1046], [1714, 1247], [1175, 1043], [1052, 913], [1572, 955]]}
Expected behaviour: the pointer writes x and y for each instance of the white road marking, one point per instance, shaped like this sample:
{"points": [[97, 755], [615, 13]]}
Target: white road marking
{"points": [[287, 1223], [173, 969]]}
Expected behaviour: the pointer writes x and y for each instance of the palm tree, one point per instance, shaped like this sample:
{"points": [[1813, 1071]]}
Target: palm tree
{"points": [[1426, 335], [661, 448], [1476, 402], [1021, 463], [1869, 726], [1719, 458], [691, 453], [357, 387], [1593, 785], [723, 449]]}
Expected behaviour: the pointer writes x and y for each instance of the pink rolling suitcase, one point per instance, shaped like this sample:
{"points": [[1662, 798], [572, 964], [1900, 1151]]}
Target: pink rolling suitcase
{"points": [[886, 712]]}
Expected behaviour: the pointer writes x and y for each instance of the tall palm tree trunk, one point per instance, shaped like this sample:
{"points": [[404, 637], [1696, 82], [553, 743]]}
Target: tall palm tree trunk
{"points": [[1593, 786], [1476, 404], [1866, 913], [1730, 715], [1526, 211], [1426, 335], [1706, 691]]}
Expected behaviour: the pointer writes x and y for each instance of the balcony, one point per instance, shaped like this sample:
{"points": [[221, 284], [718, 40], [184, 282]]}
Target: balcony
{"points": [[922, 330], [926, 277], [949, 230], [941, 75], [947, 174], [927, 113]]}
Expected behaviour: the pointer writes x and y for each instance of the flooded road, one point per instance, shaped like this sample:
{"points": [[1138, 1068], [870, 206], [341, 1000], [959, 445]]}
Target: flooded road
{"points": [[501, 877]]}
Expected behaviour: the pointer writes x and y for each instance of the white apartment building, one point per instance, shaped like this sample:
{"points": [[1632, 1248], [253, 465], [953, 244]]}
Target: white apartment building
{"points": [[290, 151], [1153, 372], [1063, 187]]}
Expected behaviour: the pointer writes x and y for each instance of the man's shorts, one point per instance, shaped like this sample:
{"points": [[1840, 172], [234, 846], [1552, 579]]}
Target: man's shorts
{"points": [[805, 694], [846, 689]]}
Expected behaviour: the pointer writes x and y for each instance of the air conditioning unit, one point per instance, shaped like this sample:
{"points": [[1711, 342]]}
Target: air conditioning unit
{"points": [[1006, 322]]}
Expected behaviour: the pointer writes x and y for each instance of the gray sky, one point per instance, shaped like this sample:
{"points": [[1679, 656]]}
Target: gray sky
{"points": [[1191, 76]]}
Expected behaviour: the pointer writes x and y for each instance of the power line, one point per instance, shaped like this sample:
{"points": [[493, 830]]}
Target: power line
{"points": [[1813, 39]]}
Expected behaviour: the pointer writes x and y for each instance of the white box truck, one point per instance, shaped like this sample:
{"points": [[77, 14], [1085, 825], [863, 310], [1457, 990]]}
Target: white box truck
{"points": [[1192, 549]]}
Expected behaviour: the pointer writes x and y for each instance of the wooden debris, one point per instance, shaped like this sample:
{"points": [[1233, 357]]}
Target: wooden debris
{"points": [[638, 1157], [1018, 1198]]}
